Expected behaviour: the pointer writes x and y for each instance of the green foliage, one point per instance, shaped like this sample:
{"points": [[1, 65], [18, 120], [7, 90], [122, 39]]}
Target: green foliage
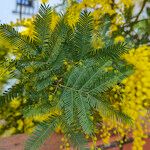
{"points": [[76, 92], [77, 140], [16, 39], [41, 133], [82, 89], [12, 93], [83, 34], [113, 51]]}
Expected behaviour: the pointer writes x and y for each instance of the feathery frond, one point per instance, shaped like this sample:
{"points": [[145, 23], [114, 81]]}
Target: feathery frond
{"points": [[113, 51], [23, 42], [77, 91], [12, 93], [83, 34], [82, 89], [39, 109], [41, 133], [42, 24]]}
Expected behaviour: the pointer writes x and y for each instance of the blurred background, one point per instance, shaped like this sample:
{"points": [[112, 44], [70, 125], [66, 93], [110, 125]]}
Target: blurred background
{"points": [[129, 22], [10, 10]]}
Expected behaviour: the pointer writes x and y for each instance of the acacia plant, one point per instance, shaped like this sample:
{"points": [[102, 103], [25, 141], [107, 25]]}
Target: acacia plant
{"points": [[45, 82]]}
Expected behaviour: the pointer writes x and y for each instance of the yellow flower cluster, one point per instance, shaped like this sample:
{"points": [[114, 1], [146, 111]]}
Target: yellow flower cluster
{"points": [[73, 14], [65, 144], [44, 1], [127, 3], [54, 21], [136, 99], [28, 27], [13, 121], [105, 135], [98, 8], [119, 39], [97, 41], [6, 50], [15, 103], [133, 98]]}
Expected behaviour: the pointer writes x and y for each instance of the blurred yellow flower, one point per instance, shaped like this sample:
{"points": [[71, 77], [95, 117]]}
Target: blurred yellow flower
{"points": [[15, 103], [119, 39], [44, 1]]}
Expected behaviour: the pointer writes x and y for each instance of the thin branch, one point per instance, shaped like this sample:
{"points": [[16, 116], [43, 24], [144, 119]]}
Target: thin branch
{"points": [[138, 15], [117, 143], [133, 23]]}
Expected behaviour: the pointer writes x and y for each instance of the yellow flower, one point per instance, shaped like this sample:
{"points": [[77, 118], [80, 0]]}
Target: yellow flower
{"points": [[44, 1], [113, 28], [20, 124], [15, 103], [28, 27], [136, 92], [54, 21], [119, 39], [97, 42], [58, 129], [73, 14], [127, 3], [9, 132]]}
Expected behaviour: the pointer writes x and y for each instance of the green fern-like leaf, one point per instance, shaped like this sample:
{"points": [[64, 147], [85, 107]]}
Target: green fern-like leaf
{"points": [[41, 133], [40, 109], [83, 34], [113, 51], [42, 24], [82, 90], [77, 140], [24, 43], [12, 93]]}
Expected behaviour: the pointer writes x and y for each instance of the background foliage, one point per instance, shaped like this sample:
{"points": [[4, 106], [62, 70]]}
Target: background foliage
{"points": [[132, 95]]}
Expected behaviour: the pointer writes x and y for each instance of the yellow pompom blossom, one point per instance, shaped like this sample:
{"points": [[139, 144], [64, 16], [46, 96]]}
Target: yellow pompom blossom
{"points": [[44, 1], [98, 8], [137, 92], [65, 144], [20, 124], [9, 132], [135, 95], [54, 21], [73, 14], [135, 101], [97, 42], [105, 135], [6, 51], [114, 127], [58, 129], [113, 28], [15, 103], [119, 39], [29, 125], [118, 19], [28, 27], [127, 3]]}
